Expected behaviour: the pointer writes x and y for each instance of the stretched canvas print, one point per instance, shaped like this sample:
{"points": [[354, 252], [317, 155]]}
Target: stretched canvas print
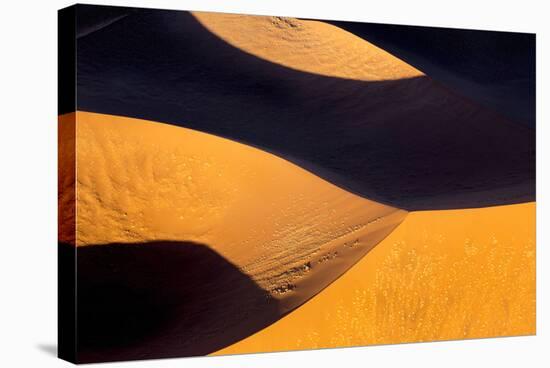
{"points": [[236, 184]]}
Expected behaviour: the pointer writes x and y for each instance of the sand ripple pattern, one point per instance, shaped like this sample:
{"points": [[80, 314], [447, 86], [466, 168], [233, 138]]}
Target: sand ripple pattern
{"points": [[290, 231]]}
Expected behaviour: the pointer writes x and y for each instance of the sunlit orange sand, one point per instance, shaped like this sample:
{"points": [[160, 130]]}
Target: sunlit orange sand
{"points": [[290, 231], [192, 244], [307, 45], [440, 275]]}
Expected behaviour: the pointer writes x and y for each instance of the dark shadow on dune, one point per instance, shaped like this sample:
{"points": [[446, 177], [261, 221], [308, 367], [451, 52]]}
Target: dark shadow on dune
{"points": [[410, 143], [163, 299], [496, 69]]}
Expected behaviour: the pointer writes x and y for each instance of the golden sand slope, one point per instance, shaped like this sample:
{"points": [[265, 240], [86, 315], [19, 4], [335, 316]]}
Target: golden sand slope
{"points": [[290, 231], [307, 45], [440, 275], [66, 178]]}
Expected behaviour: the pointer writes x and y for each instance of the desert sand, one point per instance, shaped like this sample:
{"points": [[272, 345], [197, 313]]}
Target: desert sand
{"points": [[232, 168], [145, 183], [307, 45], [440, 275], [496, 69], [66, 176], [315, 95]]}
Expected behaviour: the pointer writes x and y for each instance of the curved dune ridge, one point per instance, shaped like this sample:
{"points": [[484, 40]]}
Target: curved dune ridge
{"points": [[315, 95], [440, 275], [496, 69], [227, 232], [307, 45], [289, 231]]}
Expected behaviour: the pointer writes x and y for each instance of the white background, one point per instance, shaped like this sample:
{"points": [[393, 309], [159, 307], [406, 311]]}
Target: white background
{"points": [[28, 180]]}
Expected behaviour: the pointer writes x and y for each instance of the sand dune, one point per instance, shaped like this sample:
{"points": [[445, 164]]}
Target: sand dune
{"points": [[287, 230], [309, 46], [440, 275], [238, 165], [496, 69], [162, 299], [313, 94], [66, 179]]}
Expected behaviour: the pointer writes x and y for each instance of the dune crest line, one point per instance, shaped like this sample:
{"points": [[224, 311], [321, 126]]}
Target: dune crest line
{"points": [[289, 231], [408, 142]]}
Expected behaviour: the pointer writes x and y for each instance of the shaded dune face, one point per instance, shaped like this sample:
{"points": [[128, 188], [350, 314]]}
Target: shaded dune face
{"points": [[378, 128], [143, 187], [496, 69], [163, 299], [187, 243]]}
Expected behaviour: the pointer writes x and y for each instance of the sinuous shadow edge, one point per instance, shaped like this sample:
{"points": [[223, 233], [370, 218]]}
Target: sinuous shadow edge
{"points": [[410, 143], [169, 299], [161, 299]]}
